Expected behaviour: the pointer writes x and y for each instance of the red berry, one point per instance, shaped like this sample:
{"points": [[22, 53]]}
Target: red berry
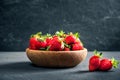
{"points": [[55, 37], [79, 42], [94, 61], [56, 45], [70, 39], [41, 44], [92, 68], [105, 65], [66, 49], [48, 41], [77, 46], [33, 43]]}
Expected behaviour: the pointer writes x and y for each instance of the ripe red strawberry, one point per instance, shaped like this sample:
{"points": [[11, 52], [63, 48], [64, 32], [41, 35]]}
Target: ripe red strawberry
{"points": [[55, 37], [41, 44], [78, 41], [77, 46], [33, 43], [92, 68], [48, 41], [70, 39], [66, 49], [107, 64], [94, 61], [56, 45]]}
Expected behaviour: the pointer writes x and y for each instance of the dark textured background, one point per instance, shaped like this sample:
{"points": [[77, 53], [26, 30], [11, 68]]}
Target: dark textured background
{"points": [[98, 21]]}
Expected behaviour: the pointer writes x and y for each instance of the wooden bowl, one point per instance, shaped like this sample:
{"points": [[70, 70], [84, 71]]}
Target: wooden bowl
{"points": [[56, 58]]}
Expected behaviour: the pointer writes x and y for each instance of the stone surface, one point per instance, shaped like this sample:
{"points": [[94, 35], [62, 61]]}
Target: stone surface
{"points": [[16, 66], [97, 21]]}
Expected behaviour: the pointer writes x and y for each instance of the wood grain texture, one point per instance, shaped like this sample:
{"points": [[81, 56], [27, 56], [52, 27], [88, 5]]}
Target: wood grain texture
{"points": [[56, 58]]}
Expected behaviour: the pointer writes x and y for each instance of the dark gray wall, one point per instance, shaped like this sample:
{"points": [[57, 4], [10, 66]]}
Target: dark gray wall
{"points": [[98, 21]]}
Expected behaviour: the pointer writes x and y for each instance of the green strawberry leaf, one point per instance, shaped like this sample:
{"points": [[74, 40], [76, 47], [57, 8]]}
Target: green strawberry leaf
{"points": [[76, 35], [39, 33], [32, 35], [97, 53], [47, 49], [60, 33], [66, 45], [48, 35], [41, 39], [115, 62], [36, 35]]}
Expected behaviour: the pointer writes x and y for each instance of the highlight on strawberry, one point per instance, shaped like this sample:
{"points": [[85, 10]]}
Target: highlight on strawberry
{"points": [[97, 63], [60, 41]]}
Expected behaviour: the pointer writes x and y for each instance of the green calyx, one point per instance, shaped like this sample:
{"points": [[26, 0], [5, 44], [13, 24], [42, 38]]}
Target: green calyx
{"points": [[115, 62], [77, 35], [66, 45], [48, 35], [60, 33], [96, 53], [40, 39], [40, 36], [43, 37], [48, 47], [37, 35]]}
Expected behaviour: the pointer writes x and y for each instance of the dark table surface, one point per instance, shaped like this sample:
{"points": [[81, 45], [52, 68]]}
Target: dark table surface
{"points": [[16, 66]]}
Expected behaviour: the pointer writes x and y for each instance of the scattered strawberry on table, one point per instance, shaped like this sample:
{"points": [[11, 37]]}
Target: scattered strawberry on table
{"points": [[104, 64], [94, 61], [60, 41]]}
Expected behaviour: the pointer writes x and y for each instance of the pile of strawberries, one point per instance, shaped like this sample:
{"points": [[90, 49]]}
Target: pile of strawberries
{"points": [[98, 64], [60, 41]]}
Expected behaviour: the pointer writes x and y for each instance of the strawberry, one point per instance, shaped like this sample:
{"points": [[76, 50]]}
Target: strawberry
{"points": [[33, 43], [48, 41], [77, 46], [66, 49], [78, 41], [41, 44], [56, 45], [55, 37], [70, 39], [37, 41], [94, 61], [92, 68], [107, 64]]}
